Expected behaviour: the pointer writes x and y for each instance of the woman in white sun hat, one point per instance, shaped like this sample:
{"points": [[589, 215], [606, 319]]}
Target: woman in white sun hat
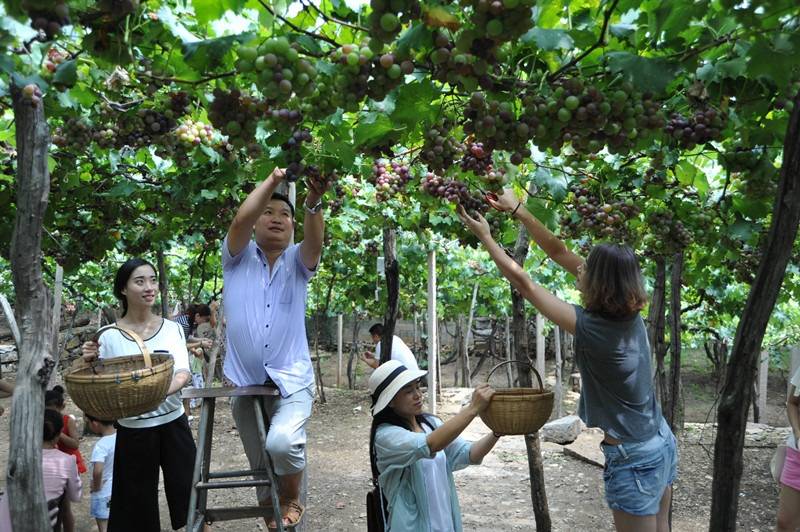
{"points": [[413, 455]]}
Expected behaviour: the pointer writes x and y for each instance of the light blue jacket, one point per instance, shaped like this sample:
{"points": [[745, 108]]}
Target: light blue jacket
{"points": [[402, 479]]}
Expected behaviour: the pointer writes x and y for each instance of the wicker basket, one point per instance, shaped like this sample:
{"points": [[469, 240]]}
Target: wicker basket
{"points": [[117, 387], [515, 411]]}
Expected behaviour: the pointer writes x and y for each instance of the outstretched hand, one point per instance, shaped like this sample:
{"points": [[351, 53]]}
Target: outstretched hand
{"points": [[317, 186], [478, 226], [507, 201]]}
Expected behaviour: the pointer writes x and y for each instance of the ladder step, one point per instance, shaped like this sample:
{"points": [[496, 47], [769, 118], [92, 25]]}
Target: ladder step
{"points": [[242, 473], [245, 512], [231, 484]]}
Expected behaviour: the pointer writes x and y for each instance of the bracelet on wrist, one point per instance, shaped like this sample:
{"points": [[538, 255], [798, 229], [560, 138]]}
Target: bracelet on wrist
{"points": [[515, 208]]}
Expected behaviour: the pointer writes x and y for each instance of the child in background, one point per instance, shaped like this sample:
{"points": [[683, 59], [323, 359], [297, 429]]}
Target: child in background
{"points": [[102, 470], [68, 442]]}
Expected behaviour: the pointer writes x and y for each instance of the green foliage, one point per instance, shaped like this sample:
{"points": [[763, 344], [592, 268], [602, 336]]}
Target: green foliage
{"points": [[553, 98]]}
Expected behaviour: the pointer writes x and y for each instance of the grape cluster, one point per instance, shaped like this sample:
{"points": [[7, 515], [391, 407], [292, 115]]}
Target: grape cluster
{"points": [[746, 263], [295, 167], [372, 248], [194, 133], [54, 58], [280, 70], [388, 16], [236, 115], [389, 178], [502, 20], [387, 73], [337, 202], [454, 62], [74, 135], [741, 158], [285, 117], [590, 117], [668, 234], [48, 17], [441, 149], [179, 103], [31, 94], [602, 219], [494, 123], [478, 160], [155, 122], [702, 127]]}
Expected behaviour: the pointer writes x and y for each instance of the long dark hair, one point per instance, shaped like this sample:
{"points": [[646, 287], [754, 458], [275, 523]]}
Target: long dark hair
{"points": [[612, 285], [121, 279], [390, 417], [53, 423]]}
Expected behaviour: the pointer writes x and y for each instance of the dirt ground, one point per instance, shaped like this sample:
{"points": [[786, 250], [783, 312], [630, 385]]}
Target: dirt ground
{"points": [[496, 495]]}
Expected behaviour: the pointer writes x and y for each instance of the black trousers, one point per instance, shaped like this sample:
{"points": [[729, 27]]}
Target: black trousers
{"points": [[138, 455]]}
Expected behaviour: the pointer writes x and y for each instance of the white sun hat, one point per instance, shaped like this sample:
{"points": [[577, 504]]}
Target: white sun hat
{"points": [[386, 381]]}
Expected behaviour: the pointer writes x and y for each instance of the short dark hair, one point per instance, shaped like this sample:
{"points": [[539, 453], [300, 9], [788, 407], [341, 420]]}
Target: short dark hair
{"points": [[121, 279], [54, 397], [612, 284], [280, 197], [53, 423], [106, 422], [376, 329]]}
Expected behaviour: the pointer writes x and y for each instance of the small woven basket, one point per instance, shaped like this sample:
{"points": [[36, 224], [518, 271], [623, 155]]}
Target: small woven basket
{"points": [[515, 411], [118, 387]]}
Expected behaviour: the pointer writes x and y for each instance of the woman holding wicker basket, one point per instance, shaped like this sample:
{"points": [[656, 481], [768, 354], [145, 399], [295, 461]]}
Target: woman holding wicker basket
{"points": [[157, 439], [612, 352]]}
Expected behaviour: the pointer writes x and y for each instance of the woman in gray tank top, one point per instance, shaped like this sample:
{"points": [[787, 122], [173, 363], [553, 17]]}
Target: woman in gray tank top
{"points": [[613, 356]]}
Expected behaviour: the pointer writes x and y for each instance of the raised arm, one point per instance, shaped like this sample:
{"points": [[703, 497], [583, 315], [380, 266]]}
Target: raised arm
{"points": [[252, 207], [453, 427], [559, 312], [544, 238], [314, 225]]}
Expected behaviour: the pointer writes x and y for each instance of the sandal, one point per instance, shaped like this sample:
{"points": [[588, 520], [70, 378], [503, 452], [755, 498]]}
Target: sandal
{"points": [[292, 514]]}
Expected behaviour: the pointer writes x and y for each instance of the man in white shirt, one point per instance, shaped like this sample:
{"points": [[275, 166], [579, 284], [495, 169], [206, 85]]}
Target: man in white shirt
{"points": [[400, 350]]}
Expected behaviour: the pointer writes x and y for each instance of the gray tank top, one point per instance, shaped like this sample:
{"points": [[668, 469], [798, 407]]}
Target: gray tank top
{"points": [[617, 393]]}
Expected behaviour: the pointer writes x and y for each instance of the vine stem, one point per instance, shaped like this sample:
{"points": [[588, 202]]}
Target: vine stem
{"points": [[328, 18], [601, 41], [295, 27]]}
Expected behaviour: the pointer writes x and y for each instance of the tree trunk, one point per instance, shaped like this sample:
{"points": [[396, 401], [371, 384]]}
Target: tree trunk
{"points": [[535, 466], [673, 409], [656, 324], [732, 411], [33, 305], [218, 349], [392, 269], [163, 283], [58, 288], [351, 368]]}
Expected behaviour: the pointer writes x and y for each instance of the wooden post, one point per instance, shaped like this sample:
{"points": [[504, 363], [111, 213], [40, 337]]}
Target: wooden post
{"points": [[25, 483], [467, 333], [339, 345], [540, 344], [763, 374], [218, 347], [508, 352], [794, 363], [432, 333], [559, 391], [12, 322]]}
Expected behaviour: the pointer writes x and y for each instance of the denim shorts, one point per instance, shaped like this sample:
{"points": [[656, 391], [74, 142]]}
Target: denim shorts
{"points": [[636, 474], [100, 506]]}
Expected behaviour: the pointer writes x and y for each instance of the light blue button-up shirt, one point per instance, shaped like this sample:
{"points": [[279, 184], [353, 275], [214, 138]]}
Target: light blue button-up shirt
{"points": [[402, 478], [265, 310]]}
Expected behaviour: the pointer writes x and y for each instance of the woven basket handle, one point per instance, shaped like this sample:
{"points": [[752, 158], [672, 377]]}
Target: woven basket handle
{"points": [[148, 363], [533, 370]]}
